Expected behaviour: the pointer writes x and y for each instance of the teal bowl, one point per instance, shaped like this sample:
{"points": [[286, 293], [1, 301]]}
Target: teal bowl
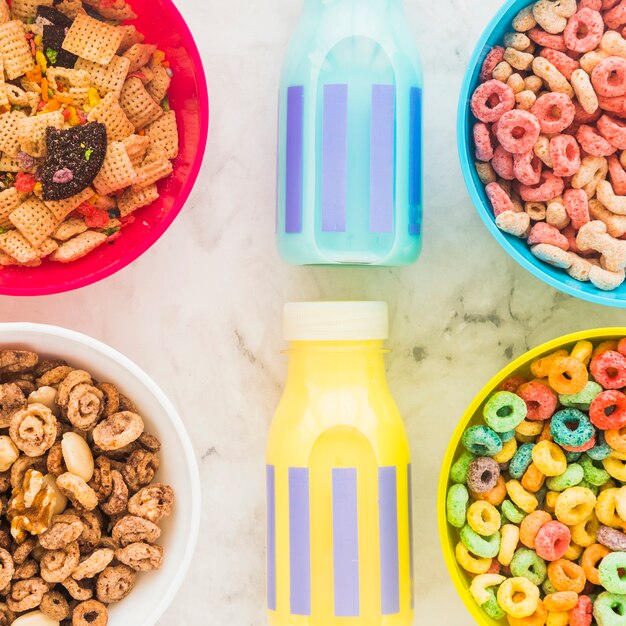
{"points": [[517, 248]]}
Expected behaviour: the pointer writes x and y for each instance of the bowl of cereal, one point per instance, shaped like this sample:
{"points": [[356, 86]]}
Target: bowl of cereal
{"points": [[103, 127], [100, 482], [530, 499], [540, 134]]}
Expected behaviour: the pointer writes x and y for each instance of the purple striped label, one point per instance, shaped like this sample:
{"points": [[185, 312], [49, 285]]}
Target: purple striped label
{"points": [[382, 158], [415, 161], [346, 543], [271, 538], [294, 157], [335, 158], [410, 496], [389, 558], [299, 541]]}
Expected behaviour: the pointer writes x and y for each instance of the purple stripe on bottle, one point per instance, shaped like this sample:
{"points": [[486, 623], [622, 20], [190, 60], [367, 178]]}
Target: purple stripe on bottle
{"points": [[271, 538], [299, 541], [335, 158], [278, 151], [346, 543], [294, 157], [415, 162], [411, 557], [389, 559], [382, 158]]}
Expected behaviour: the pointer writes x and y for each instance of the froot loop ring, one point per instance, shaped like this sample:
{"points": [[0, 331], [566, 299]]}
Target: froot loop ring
{"points": [[538, 496], [549, 458], [518, 597], [541, 401], [554, 112], [492, 100], [518, 131], [550, 138], [572, 429], [484, 518]]}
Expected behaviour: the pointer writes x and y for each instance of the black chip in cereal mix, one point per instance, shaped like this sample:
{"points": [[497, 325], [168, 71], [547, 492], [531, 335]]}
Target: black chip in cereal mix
{"points": [[75, 158]]}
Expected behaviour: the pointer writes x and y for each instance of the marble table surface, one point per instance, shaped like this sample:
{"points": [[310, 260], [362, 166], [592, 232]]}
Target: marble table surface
{"points": [[201, 311]]}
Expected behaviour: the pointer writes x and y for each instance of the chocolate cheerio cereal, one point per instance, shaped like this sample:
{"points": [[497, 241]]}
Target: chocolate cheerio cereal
{"points": [[77, 477]]}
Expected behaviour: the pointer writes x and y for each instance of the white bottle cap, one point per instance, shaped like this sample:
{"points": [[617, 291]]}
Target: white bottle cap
{"points": [[336, 321]]}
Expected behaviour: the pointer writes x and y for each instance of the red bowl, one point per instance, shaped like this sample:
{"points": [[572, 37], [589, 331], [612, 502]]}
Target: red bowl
{"points": [[163, 25]]}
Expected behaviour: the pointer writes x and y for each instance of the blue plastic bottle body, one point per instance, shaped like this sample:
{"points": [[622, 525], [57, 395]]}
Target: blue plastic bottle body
{"points": [[350, 137]]}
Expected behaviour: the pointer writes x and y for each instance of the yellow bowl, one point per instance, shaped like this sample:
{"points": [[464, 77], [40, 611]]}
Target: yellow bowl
{"points": [[449, 535]]}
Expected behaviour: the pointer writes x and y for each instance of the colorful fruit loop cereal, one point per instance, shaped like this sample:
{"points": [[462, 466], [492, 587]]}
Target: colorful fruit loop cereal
{"points": [[81, 507], [538, 492], [86, 129], [550, 137]]}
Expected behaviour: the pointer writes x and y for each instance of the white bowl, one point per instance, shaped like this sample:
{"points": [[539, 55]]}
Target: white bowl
{"points": [[155, 590]]}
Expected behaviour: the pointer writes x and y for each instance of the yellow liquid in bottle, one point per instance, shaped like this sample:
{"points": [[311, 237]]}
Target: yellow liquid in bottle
{"points": [[339, 536]]}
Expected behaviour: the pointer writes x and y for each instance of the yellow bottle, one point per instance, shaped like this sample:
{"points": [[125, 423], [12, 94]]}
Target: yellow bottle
{"points": [[338, 476]]}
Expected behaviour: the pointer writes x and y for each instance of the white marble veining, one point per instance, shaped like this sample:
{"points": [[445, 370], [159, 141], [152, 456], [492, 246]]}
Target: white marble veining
{"points": [[201, 311]]}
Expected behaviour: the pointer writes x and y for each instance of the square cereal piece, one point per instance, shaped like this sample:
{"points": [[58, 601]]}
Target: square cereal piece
{"points": [[4, 98], [117, 10], [9, 140], [163, 135], [109, 78], [151, 170], [159, 85], [15, 50], [93, 40], [27, 9], [47, 248], [70, 82], [10, 164], [117, 172], [31, 132], [144, 74], [70, 228], [112, 223], [71, 8], [8, 261], [105, 203], [138, 104], [132, 200], [34, 220], [139, 55], [136, 147], [78, 247], [15, 245], [109, 112], [9, 201], [62, 208], [130, 37]]}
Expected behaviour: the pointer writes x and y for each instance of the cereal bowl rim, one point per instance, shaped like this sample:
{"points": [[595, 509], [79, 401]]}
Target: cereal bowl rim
{"points": [[555, 278], [195, 495], [459, 578]]}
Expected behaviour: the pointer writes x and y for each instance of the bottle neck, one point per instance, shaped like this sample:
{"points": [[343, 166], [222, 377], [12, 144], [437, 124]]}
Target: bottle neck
{"points": [[336, 362]]}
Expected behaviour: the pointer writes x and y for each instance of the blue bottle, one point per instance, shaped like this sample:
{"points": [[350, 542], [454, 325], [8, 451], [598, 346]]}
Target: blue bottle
{"points": [[350, 137]]}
